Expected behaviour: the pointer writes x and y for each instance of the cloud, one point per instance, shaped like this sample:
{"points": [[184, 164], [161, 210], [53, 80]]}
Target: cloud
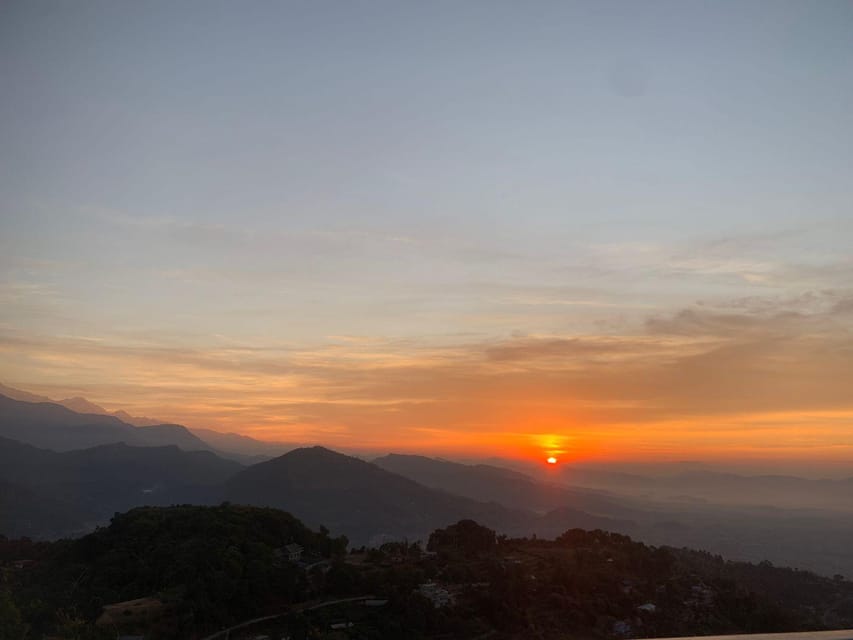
{"points": [[597, 357], [571, 349], [745, 374]]}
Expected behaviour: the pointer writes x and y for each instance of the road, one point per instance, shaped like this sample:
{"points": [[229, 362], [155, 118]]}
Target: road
{"points": [[305, 606]]}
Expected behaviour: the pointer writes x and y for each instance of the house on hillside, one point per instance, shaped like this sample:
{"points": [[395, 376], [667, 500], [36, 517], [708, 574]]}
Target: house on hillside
{"points": [[290, 552], [293, 552], [438, 595]]}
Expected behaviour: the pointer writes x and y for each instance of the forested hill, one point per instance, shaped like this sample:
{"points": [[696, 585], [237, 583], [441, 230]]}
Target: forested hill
{"points": [[213, 565], [198, 569]]}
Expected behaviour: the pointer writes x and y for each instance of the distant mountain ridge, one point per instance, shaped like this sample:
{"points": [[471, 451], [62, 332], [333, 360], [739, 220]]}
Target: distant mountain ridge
{"points": [[79, 405], [372, 505], [53, 426], [81, 487], [489, 483], [49, 494], [244, 445], [241, 448]]}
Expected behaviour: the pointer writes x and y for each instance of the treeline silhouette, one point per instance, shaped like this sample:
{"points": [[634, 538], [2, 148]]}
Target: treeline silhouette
{"points": [[205, 568]]}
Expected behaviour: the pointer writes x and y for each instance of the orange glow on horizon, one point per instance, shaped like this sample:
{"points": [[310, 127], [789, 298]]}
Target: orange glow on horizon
{"points": [[530, 434]]}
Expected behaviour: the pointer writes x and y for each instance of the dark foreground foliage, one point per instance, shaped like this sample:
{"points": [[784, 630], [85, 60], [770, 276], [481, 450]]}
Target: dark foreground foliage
{"points": [[206, 568], [211, 566]]}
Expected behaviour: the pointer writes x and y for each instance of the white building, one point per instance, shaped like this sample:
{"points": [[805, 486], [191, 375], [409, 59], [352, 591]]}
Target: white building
{"points": [[293, 551], [438, 595]]}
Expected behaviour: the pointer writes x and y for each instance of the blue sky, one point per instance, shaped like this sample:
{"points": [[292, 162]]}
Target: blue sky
{"points": [[302, 176]]}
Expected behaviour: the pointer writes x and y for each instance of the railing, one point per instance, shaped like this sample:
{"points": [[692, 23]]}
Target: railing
{"points": [[844, 634]]}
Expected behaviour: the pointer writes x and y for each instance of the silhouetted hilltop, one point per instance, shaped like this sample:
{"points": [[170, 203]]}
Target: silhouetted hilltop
{"points": [[355, 497]]}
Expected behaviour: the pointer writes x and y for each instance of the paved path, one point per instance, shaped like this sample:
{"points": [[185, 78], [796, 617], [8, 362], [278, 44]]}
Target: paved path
{"points": [[305, 606]]}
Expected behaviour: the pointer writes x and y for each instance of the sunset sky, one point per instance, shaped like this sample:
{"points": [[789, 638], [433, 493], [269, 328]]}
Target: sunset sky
{"points": [[600, 231]]}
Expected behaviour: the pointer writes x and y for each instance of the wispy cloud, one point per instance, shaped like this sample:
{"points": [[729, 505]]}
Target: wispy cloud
{"points": [[688, 378]]}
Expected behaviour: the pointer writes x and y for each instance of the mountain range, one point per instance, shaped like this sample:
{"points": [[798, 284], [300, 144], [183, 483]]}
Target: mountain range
{"points": [[63, 473], [356, 497], [78, 404], [53, 426], [92, 425], [97, 464], [46, 494]]}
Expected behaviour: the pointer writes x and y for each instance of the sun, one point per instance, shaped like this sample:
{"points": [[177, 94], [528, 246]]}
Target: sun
{"points": [[551, 460]]}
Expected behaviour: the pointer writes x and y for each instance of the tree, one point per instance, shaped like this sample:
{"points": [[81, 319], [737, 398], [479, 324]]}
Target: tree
{"points": [[11, 625], [466, 536]]}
